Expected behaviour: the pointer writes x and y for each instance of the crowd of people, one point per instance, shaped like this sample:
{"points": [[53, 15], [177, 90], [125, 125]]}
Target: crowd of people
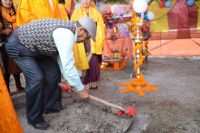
{"points": [[42, 40]]}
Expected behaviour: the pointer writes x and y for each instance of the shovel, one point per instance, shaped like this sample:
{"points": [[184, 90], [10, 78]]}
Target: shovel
{"points": [[129, 111]]}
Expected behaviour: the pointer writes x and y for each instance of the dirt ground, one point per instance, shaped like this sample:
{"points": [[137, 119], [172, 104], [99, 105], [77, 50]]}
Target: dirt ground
{"points": [[175, 108]]}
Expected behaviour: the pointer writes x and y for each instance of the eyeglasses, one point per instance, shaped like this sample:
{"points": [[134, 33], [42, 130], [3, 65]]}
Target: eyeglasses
{"points": [[88, 35]]}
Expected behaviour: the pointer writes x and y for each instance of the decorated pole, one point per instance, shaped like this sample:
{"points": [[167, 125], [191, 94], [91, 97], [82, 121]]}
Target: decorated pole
{"points": [[138, 43], [138, 83]]}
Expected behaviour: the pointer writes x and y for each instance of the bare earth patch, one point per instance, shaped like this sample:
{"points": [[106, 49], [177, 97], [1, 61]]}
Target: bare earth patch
{"points": [[175, 108]]}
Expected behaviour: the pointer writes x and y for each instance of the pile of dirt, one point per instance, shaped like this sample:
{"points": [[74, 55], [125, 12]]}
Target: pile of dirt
{"points": [[85, 118]]}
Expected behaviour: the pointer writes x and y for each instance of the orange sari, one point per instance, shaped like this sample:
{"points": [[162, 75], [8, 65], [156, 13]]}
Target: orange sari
{"points": [[9, 122]]}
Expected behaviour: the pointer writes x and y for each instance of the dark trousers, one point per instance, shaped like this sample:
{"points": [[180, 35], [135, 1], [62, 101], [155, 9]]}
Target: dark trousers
{"points": [[42, 76], [16, 78], [5, 59]]}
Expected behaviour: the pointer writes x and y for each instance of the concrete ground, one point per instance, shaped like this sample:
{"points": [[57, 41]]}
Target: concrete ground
{"points": [[175, 108]]}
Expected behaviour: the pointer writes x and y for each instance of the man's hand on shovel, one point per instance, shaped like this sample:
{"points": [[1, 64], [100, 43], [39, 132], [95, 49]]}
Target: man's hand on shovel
{"points": [[83, 94]]}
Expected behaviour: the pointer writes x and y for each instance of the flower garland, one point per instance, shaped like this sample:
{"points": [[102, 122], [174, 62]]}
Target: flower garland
{"points": [[141, 33], [143, 25]]}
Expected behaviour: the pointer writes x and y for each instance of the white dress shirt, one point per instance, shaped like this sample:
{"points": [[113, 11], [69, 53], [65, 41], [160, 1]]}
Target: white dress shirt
{"points": [[64, 40]]}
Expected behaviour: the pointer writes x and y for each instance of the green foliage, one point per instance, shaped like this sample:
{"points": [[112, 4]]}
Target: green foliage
{"points": [[182, 125]]}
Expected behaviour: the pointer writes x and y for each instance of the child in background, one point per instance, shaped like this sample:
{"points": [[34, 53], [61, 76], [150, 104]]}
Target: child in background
{"points": [[8, 20]]}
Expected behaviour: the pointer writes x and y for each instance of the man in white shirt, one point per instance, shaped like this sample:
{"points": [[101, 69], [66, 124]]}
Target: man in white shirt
{"points": [[42, 49]]}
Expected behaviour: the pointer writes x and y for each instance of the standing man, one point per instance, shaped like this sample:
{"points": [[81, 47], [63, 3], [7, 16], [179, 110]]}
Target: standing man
{"points": [[40, 48]]}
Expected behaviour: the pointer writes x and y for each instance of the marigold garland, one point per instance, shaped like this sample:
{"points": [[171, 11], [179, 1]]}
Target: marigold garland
{"points": [[138, 83]]}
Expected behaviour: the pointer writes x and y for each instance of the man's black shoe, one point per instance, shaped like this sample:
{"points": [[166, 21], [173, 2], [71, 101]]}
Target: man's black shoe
{"points": [[40, 125]]}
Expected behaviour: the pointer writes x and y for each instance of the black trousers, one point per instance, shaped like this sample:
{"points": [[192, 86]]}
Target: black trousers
{"points": [[42, 75], [5, 59]]}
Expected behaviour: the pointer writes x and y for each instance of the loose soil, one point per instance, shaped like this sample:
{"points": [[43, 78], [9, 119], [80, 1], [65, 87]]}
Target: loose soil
{"points": [[175, 108]]}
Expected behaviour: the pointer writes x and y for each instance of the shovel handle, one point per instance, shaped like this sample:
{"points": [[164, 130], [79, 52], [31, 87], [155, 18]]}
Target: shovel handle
{"points": [[103, 101], [106, 103], [95, 98]]}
